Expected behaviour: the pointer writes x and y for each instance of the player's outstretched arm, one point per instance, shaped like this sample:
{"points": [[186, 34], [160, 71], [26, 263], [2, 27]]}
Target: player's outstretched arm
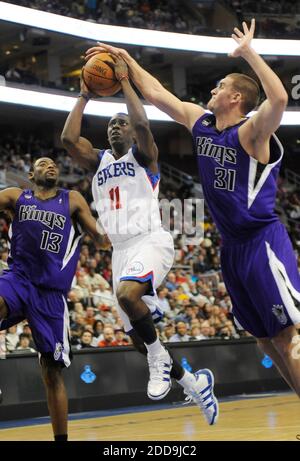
{"points": [[257, 130], [185, 113], [147, 149], [8, 197], [80, 210], [78, 147]]}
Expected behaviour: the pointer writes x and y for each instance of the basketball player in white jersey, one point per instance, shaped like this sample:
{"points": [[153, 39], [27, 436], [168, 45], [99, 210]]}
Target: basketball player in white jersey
{"points": [[125, 190]]}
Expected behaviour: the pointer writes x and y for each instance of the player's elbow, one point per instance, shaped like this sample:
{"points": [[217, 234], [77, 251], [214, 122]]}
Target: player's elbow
{"points": [[282, 99], [141, 125], [141, 128], [67, 141]]}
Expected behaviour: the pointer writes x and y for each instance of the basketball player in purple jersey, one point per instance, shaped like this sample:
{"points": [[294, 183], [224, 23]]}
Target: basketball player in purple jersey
{"points": [[44, 249], [239, 160], [142, 254]]}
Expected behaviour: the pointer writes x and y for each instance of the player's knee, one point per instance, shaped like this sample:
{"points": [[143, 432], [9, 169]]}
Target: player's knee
{"points": [[127, 297], [284, 349], [284, 341], [285, 336], [3, 308], [51, 372]]}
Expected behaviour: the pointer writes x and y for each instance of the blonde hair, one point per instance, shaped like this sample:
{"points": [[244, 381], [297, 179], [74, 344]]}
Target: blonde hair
{"points": [[249, 90]]}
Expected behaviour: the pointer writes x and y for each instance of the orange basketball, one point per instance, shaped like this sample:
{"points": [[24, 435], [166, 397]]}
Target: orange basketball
{"points": [[99, 76]]}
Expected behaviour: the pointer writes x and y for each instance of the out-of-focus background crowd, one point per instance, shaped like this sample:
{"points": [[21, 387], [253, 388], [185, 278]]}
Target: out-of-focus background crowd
{"points": [[193, 298]]}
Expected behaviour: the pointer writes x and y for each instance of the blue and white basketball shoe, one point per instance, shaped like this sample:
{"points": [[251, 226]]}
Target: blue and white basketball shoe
{"points": [[160, 366], [202, 393]]}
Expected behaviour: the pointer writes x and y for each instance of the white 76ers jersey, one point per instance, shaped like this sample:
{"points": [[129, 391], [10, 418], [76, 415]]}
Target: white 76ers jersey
{"points": [[126, 197]]}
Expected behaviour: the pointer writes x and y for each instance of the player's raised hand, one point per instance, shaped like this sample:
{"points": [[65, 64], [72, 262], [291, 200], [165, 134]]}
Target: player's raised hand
{"points": [[120, 67], [104, 48], [84, 89], [243, 39]]}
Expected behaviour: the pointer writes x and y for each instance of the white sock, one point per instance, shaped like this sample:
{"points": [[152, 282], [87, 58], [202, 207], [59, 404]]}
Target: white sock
{"points": [[155, 348], [187, 381]]}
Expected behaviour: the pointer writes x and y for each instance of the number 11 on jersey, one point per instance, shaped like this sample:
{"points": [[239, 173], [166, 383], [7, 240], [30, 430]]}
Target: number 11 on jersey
{"points": [[115, 200]]}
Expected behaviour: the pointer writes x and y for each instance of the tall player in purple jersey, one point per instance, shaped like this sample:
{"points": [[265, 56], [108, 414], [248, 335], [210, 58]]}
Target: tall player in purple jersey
{"points": [[238, 160], [44, 249]]}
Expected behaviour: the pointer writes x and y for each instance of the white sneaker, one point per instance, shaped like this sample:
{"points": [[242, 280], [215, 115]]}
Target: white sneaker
{"points": [[160, 381], [203, 395]]}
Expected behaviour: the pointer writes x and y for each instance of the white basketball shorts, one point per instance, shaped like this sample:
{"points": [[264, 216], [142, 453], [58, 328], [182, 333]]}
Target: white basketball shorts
{"points": [[148, 257]]}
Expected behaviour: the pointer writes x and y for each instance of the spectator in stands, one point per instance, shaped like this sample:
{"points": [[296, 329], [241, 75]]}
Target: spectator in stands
{"points": [[105, 314], [224, 333], [79, 320], [27, 331], [109, 339], [163, 303], [93, 278], [195, 334], [171, 282], [75, 334], [73, 298], [12, 338], [24, 343], [3, 259], [199, 264], [98, 332], [187, 314], [82, 290], [77, 309], [86, 340], [204, 331], [181, 333], [168, 330], [102, 294], [90, 316], [120, 336]]}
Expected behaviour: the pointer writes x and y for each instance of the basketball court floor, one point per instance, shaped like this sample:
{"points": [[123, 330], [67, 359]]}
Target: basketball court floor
{"points": [[268, 417]]}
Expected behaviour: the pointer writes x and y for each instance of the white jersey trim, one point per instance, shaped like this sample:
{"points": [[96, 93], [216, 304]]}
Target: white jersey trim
{"points": [[10, 235], [66, 344], [284, 285], [253, 191], [71, 248]]}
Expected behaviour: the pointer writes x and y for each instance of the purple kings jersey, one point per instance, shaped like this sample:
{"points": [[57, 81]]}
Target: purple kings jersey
{"points": [[44, 242], [239, 191]]}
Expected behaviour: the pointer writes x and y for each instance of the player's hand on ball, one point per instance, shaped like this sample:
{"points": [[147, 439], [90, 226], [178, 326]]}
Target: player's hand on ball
{"points": [[84, 89], [120, 67], [103, 47]]}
